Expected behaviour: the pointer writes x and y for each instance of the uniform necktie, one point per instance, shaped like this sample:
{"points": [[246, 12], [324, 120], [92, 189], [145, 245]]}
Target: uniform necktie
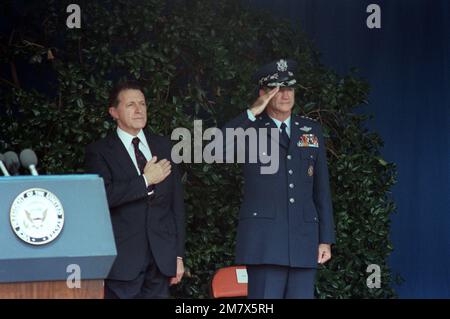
{"points": [[284, 137]]}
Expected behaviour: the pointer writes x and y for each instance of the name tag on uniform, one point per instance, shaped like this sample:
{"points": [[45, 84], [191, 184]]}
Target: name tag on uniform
{"points": [[308, 140]]}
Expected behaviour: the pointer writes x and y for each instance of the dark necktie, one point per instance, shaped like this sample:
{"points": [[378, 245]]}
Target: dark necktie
{"points": [[140, 158], [284, 137]]}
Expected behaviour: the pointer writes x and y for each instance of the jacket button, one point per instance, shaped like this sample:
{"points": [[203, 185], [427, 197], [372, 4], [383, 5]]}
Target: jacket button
{"points": [[315, 218], [255, 214], [291, 200], [291, 185], [291, 172], [289, 157]]}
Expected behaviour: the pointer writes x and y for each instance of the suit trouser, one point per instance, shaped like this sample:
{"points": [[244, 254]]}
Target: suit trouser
{"points": [[279, 282], [149, 284]]}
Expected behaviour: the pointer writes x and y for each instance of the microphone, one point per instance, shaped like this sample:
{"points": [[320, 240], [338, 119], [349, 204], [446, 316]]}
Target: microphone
{"points": [[29, 160], [12, 162], [2, 166]]}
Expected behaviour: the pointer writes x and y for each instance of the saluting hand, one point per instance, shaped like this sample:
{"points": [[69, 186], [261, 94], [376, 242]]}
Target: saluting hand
{"points": [[155, 172], [260, 104]]}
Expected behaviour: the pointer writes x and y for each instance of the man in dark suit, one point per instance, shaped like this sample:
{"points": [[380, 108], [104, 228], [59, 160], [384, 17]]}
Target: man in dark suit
{"points": [[145, 198], [286, 223]]}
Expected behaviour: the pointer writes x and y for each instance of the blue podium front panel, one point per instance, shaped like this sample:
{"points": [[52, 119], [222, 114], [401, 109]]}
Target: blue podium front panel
{"points": [[78, 238]]}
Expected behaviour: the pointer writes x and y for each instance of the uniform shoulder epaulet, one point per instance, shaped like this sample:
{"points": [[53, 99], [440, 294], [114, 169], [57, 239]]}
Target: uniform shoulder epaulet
{"points": [[308, 118]]}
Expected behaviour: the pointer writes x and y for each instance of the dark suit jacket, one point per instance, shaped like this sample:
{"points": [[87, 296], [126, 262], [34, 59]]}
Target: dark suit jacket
{"points": [[140, 220], [284, 216]]}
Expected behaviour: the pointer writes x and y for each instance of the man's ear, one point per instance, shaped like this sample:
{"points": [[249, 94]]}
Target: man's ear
{"points": [[113, 112], [261, 92]]}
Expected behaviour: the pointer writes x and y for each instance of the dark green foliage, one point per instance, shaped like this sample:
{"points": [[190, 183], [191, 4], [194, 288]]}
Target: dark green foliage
{"points": [[195, 60]]}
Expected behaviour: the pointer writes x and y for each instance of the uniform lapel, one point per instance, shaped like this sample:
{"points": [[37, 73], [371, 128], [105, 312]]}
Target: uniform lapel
{"points": [[295, 132], [266, 122]]}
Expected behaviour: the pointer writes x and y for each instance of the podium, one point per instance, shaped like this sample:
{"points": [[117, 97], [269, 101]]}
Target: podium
{"points": [[56, 237]]}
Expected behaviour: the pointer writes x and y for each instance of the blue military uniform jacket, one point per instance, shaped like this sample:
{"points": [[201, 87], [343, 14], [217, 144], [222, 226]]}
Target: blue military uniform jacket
{"points": [[284, 216]]}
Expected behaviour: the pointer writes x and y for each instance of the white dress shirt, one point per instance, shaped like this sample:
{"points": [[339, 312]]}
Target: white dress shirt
{"points": [[287, 121], [127, 140]]}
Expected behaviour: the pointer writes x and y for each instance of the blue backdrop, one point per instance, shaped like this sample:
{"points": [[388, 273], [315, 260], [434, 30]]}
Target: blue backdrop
{"points": [[406, 63]]}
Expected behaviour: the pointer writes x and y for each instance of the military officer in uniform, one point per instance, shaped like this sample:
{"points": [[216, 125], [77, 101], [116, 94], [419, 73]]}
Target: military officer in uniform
{"points": [[286, 225]]}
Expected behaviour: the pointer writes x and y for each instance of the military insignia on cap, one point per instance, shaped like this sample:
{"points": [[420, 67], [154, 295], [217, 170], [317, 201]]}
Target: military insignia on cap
{"points": [[310, 170], [278, 73], [282, 65], [305, 128]]}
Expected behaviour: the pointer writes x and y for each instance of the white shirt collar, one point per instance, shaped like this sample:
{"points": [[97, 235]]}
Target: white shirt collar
{"points": [[286, 121], [127, 138]]}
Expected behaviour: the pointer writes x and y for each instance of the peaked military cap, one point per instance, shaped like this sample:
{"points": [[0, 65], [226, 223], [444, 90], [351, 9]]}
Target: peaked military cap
{"points": [[276, 73]]}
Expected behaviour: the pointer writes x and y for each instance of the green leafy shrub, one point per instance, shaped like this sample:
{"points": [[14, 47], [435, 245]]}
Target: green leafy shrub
{"points": [[195, 60]]}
